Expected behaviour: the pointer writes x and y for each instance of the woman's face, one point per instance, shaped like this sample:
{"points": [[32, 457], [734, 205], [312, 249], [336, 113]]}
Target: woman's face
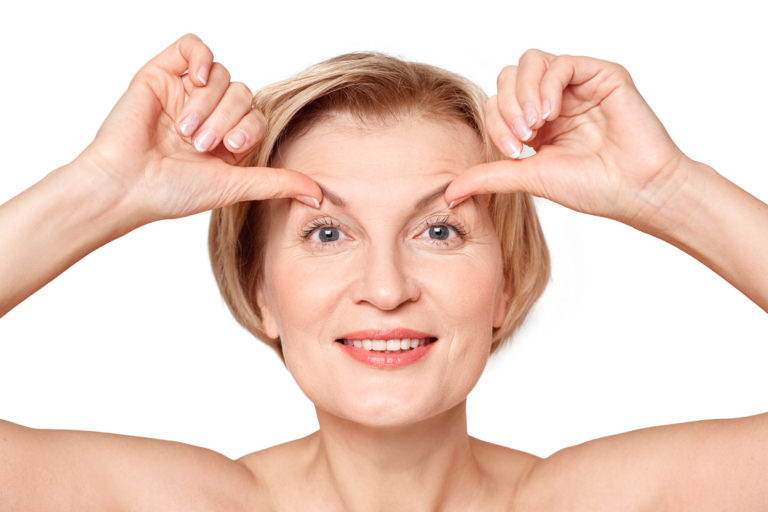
{"points": [[383, 259]]}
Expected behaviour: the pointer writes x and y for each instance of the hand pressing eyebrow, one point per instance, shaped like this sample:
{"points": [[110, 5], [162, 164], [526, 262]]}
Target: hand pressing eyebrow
{"points": [[336, 200]]}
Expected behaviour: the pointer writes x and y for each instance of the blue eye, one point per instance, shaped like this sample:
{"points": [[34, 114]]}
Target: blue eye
{"points": [[443, 233], [439, 232], [326, 234]]}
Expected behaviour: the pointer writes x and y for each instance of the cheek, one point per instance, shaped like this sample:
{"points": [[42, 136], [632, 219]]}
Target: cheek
{"points": [[463, 294], [466, 289], [306, 294]]}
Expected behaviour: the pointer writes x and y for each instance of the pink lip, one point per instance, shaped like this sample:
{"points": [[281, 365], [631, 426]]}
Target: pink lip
{"points": [[386, 334], [386, 360]]}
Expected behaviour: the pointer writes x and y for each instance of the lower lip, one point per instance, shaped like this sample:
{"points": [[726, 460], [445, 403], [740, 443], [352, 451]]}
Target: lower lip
{"points": [[386, 360]]}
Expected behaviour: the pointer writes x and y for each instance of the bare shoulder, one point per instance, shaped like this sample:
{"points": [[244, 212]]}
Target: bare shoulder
{"points": [[508, 463], [98, 471], [278, 467], [700, 466]]}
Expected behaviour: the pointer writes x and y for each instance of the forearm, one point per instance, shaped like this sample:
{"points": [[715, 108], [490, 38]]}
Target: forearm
{"points": [[724, 227], [50, 226]]}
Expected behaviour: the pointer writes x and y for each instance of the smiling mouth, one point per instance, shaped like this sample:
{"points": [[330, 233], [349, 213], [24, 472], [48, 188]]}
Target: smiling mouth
{"points": [[395, 345]]}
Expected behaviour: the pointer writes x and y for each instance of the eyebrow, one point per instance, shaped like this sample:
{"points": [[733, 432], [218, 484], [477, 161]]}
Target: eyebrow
{"points": [[336, 200]]}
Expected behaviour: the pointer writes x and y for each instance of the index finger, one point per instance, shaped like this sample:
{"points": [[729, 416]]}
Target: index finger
{"points": [[188, 53]]}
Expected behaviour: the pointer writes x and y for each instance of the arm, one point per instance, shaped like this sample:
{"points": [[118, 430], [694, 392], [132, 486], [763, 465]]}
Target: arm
{"points": [[722, 226], [701, 466], [146, 163], [50, 226], [74, 471], [601, 150], [166, 150]]}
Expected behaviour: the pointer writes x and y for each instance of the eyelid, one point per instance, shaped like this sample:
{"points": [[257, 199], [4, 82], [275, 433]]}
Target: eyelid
{"points": [[314, 225], [445, 219], [317, 223]]}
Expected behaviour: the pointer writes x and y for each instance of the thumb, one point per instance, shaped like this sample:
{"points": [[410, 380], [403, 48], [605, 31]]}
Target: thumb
{"points": [[258, 183], [503, 176]]}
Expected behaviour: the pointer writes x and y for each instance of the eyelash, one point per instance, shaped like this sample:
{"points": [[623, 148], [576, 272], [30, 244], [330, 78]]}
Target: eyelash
{"points": [[328, 222], [446, 221], [321, 222]]}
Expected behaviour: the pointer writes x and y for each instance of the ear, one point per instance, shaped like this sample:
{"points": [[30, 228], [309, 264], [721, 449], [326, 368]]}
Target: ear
{"points": [[268, 319], [501, 304]]}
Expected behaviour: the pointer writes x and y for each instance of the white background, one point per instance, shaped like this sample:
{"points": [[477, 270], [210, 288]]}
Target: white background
{"points": [[135, 339]]}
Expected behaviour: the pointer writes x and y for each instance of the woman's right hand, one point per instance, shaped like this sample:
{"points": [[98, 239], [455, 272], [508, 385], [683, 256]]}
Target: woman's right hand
{"points": [[167, 148]]}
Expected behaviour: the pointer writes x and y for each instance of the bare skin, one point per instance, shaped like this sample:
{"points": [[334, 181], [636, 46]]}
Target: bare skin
{"points": [[155, 172]]}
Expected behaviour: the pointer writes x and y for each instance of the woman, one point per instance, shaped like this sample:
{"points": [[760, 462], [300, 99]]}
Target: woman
{"points": [[385, 285]]}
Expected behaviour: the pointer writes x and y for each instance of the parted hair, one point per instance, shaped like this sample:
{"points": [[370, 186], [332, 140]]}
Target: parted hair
{"points": [[371, 87]]}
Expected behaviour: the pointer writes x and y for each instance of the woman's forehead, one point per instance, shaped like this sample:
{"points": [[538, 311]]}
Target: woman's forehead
{"points": [[413, 149]]}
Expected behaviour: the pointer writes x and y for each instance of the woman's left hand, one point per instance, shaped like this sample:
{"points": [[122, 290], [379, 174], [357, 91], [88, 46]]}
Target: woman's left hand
{"points": [[599, 147], [601, 150]]}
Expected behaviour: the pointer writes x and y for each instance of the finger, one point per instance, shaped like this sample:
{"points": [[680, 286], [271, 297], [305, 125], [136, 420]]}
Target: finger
{"points": [[498, 130], [247, 133], [188, 53], [258, 183], [503, 176], [508, 106], [559, 75], [231, 108], [532, 67], [202, 101], [565, 70]]}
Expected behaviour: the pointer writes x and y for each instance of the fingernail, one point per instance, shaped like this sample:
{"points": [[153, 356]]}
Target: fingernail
{"points": [[204, 140], [531, 116], [521, 129], [512, 147], [189, 124], [546, 108], [202, 74], [457, 202], [236, 139], [309, 201]]}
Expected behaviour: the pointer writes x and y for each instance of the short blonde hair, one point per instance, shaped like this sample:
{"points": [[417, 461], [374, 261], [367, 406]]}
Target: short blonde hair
{"points": [[370, 86]]}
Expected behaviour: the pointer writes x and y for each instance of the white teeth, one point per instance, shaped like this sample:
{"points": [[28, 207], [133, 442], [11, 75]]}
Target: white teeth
{"points": [[393, 345]]}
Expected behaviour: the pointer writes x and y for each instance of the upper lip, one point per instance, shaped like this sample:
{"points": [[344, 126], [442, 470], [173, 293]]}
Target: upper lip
{"points": [[386, 334]]}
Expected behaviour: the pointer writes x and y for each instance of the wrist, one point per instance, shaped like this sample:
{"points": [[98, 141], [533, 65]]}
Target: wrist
{"points": [[721, 225], [678, 206], [105, 200]]}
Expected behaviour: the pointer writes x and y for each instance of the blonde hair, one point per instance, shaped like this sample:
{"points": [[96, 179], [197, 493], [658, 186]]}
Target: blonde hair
{"points": [[370, 86]]}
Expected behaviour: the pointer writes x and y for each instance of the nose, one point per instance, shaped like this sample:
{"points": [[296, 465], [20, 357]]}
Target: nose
{"points": [[384, 281]]}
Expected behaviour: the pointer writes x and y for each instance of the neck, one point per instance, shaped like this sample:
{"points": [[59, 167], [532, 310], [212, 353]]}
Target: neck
{"points": [[427, 465]]}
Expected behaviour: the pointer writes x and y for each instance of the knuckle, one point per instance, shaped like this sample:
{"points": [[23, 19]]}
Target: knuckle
{"points": [[562, 59], [220, 71], [620, 71], [530, 54], [241, 91], [490, 105], [189, 37], [279, 182], [506, 76], [259, 126]]}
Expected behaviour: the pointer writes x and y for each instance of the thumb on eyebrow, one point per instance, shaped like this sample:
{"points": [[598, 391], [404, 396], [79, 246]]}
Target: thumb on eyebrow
{"points": [[258, 183], [503, 176]]}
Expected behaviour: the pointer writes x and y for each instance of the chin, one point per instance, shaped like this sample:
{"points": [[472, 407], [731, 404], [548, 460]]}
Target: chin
{"points": [[382, 410]]}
